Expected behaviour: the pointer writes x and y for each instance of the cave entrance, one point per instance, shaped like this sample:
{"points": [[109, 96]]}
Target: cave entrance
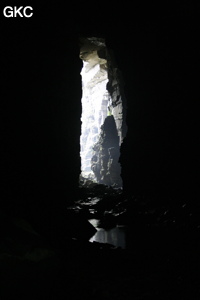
{"points": [[102, 119]]}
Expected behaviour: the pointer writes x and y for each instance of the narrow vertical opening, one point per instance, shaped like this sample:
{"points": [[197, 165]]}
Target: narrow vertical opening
{"points": [[102, 119]]}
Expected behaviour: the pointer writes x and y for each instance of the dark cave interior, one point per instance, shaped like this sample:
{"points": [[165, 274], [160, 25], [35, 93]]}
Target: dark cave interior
{"points": [[45, 251]]}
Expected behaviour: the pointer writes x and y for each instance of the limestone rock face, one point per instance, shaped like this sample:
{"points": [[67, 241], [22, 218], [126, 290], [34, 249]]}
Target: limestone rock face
{"points": [[103, 113], [94, 100], [106, 154], [118, 100]]}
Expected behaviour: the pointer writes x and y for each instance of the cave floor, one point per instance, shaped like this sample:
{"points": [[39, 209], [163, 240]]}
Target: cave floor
{"points": [[160, 261]]}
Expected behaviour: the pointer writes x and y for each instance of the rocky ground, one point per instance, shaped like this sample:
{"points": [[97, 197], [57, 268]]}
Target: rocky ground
{"points": [[161, 260]]}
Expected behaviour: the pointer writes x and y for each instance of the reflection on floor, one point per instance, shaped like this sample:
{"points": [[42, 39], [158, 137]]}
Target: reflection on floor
{"points": [[115, 236]]}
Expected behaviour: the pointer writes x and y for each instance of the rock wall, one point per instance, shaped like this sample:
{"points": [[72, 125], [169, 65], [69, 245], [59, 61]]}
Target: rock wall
{"points": [[102, 97], [105, 163], [94, 99], [40, 128], [115, 88]]}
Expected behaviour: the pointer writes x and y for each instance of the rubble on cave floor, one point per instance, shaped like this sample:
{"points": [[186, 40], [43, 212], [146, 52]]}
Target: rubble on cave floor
{"points": [[161, 260], [111, 205]]}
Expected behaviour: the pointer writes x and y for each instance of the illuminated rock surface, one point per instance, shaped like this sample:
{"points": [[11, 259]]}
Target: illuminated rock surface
{"points": [[94, 100], [101, 99]]}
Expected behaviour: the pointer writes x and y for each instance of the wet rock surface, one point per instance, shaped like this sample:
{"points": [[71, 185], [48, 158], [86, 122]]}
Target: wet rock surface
{"points": [[161, 259]]}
